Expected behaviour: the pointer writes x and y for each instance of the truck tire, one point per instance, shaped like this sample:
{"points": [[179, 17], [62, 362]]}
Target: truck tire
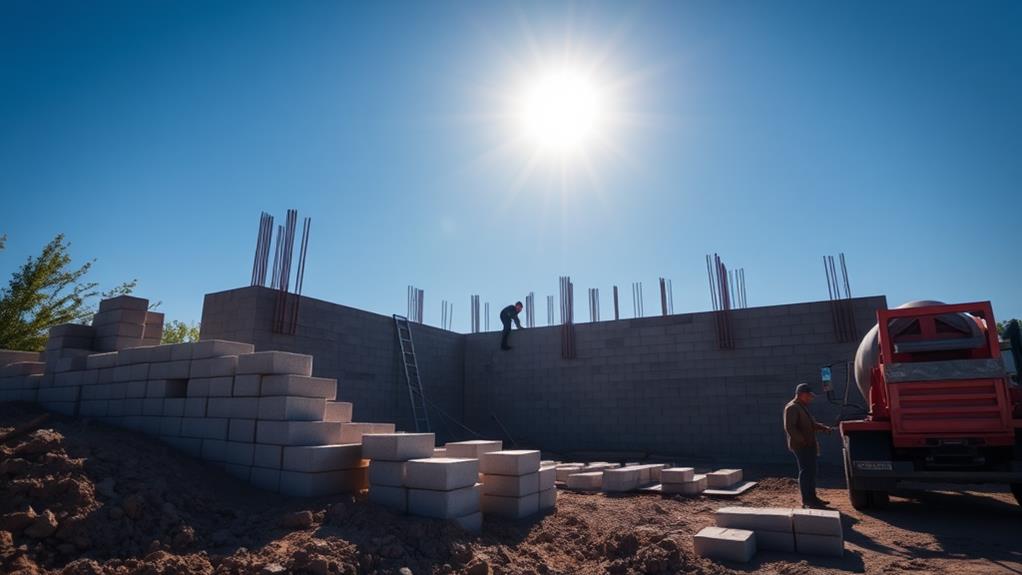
{"points": [[1016, 490], [879, 498], [859, 498]]}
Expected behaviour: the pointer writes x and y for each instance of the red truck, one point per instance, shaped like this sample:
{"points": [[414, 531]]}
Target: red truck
{"points": [[941, 407]]}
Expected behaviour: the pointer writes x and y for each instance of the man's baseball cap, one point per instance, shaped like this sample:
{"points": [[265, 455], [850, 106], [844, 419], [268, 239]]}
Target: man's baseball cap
{"points": [[803, 388]]}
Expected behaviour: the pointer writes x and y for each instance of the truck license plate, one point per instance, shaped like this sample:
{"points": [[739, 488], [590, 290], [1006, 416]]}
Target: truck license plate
{"points": [[873, 465]]}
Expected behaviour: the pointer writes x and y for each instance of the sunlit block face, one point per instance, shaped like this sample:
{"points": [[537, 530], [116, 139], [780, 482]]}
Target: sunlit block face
{"points": [[562, 111]]}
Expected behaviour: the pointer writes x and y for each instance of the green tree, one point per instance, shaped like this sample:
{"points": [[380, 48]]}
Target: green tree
{"points": [[179, 332], [1003, 325], [47, 291]]}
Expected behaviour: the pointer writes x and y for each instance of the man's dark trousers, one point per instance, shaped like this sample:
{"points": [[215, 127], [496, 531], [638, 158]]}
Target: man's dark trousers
{"points": [[806, 458], [507, 331]]}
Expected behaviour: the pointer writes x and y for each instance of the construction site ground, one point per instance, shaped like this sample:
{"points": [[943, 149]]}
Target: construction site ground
{"points": [[105, 500]]}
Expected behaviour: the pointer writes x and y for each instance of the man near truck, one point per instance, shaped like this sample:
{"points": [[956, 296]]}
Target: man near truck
{"points": [[801, 429]]}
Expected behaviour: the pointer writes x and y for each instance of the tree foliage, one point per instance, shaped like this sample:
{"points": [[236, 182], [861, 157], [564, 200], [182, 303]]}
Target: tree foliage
{"points": [[47, 291], [179, 332]]}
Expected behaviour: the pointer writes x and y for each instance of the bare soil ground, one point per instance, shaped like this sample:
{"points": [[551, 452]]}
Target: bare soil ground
{"points": [[77, 497]]}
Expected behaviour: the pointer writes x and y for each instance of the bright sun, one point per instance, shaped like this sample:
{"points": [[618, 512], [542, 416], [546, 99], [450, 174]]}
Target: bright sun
{"points": [[562, 111]]}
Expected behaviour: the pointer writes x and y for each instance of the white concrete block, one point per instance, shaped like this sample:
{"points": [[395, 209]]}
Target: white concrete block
{"points": [[275, 362], [101, 360], [167, 370], [265, 478], [511, 462], [817, 522], [340, 412], [510, 507], [298, 432], [239, 453], [755, 518], [621, 480], [119, 316], [241, 430], [269, 456], [391, 497], [160, 353], [727, 544], [723, 478], [473, 449], [655, 469], [814, 544], [352, 432], [441, 473], [391, 473], [444, 504], [397, 446], [246, 385], [510, 485], [289, 408], [301, 484], [694, 487], [563, 471], [298, 385], [547, 499], [123, 302], [587, 480], [132, 355], [677, 475], [319, 458], [233, 407], [439, 452], [547, 478], [217, 348], [473, 522], [181, 351], [222, 366]]}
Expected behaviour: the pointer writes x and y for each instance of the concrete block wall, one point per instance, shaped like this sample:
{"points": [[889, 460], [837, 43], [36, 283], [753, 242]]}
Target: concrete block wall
{"points": [[357, 348]]}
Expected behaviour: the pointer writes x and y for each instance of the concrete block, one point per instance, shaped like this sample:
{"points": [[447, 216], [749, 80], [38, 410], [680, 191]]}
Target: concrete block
{"points": [[133, 389], [340, 412], [204, 428], [93, 408], [510, 485], [139, 371], [195, 406], [106, 375], [120, 329], [233, 407], [814, 544], [298, 385], [390, 473], [621, 480], [222, 366], [122, 373], [214, 449], [302, 484], [441, 473], [723, 543], [265, 478], [242, 472], [677, 475], [170, 426], [439, 452], [319, 458], [210, 386], [563, 471], [181, 351], [152, 406], [71, 330], [694, 487], [166, 387], [444, 504], [242, 430], [755, 518], [512, 462], [473, 522], [817, 522], [123, 302], [288, 408], [119, 316], [63, 364], [391, 497], [101, 360], [473, 449], [547, 499], [352, 432], [547, 478], [510, 507], [298, 432], [188, 445], [170, 370], [723, 478], [68, 378], [115, 343], [246, 385], [655, 469], [174, 407], [217, 348], [90, 377], [161, 353], [587, 481], [397, 446], [269, 456], [68, 341], [239, 453], [275, 362]]}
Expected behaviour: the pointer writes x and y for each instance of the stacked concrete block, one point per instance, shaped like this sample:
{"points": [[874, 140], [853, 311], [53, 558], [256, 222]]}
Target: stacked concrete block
{"points": [[681, 481], [20, 381], [444, 488], [565, 469], [725, 543], [352, 432], [388, 455], [723, 478], [622, 479], [121, 323], [472, 449], [511, 482], [585, 480], [547, 486], [773, 525], [818, 532]]}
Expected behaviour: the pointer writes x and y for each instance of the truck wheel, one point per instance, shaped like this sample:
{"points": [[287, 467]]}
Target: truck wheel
{"points": [[1016, 489], [859, 498], [879, 498]]}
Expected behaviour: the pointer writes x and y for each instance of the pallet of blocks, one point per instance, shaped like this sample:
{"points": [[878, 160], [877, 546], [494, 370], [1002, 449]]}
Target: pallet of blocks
{"points": [[514, 485], [681, 481], [809, 531], [388, 455]]}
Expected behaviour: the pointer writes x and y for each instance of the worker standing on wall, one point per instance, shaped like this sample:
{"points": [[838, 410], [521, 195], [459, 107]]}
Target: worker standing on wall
{"points": [[801, 428], [506, 315]]}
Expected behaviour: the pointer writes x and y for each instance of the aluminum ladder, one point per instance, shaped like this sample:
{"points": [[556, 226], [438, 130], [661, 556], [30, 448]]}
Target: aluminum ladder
{"points": [[411, 367]]}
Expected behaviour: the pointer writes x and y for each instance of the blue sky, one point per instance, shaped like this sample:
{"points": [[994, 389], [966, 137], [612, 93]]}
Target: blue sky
{"points": [[154, 133]]}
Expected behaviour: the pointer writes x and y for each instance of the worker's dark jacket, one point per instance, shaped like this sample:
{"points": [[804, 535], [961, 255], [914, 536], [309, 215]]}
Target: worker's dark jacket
{"points": [[800, 426], [508, 314]]}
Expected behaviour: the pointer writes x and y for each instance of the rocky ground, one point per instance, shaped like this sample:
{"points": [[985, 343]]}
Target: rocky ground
{"points": [[77, 497]]}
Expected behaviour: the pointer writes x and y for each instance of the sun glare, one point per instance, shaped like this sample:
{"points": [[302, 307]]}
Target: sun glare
{"points": [[562, 111]]}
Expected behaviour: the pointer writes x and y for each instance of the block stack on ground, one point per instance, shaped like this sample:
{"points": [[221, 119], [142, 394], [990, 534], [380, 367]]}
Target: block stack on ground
{"points": [[514, 485], [388, 455], [681, 481], [809, 531], [445, 488]]}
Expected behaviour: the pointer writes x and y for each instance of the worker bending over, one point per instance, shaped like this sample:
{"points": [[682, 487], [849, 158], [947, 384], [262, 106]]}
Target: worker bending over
{"points": [[801, 428], [506, 315]]}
